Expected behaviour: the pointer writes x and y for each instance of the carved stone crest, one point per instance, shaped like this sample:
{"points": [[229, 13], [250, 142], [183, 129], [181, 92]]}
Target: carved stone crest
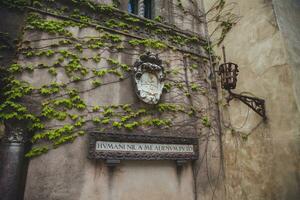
{"points": [[149, 78]]}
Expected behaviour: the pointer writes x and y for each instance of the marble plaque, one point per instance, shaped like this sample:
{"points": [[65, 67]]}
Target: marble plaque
{"points": [[143, 147], [110, 146]]}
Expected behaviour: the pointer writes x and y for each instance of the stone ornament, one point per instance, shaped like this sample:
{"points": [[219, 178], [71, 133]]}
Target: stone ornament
{"points": [[15, 135], [149, 78]]}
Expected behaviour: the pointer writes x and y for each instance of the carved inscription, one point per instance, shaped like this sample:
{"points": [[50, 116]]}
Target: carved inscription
{"points": [[144, 147], [113, 146]]}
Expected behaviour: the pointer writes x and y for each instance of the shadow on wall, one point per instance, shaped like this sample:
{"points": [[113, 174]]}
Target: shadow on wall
{"points": [[288, 18]]}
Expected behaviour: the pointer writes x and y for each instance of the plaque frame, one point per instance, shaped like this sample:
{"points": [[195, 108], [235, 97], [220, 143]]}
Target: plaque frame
{"points": [[93, 154]]}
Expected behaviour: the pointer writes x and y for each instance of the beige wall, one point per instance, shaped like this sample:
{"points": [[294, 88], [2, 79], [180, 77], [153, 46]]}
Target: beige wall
{"points": [[261, 158]]}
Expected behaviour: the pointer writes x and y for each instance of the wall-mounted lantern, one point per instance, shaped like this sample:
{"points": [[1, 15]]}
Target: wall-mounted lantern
{"points": [[228, 72]]}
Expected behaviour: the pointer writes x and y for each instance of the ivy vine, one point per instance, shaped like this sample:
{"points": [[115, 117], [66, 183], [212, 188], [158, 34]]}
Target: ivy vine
{"points": [[63, 113]]}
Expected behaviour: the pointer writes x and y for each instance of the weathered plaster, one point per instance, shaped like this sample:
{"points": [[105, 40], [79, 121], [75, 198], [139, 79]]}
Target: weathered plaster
{"points": [[289, 25], [262, 158]]}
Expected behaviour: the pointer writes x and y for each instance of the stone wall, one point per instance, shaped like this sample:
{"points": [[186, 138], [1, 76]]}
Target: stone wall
{"points": [[262, 158], [177, 13], [77, 61]]}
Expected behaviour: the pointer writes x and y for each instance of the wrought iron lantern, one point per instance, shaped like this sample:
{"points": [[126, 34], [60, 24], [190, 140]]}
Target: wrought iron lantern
{"points": [[228, 72]]}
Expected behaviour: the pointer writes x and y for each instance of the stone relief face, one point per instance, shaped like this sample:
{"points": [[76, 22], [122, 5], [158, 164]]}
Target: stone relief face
{"points": [[148, 78]]}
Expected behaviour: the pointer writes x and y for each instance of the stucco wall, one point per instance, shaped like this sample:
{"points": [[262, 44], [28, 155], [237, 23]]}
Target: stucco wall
{"points": [[287, 14], [262, 158]]}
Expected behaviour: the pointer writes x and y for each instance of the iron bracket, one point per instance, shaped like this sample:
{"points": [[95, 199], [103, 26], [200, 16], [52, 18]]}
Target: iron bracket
{"points": [[256, 104]]}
